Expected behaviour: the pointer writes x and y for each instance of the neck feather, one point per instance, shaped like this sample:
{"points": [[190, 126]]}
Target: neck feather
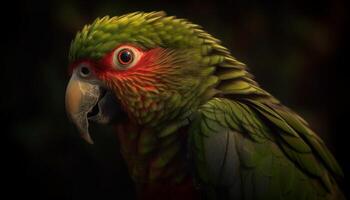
{"points": [[152, 157]]}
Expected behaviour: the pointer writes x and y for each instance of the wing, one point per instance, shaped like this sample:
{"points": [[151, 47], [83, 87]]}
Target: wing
{"points": [[252, 150]]}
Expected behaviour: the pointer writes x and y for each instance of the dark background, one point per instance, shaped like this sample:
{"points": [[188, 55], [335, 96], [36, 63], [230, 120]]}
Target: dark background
{"points": [[296, 50]]}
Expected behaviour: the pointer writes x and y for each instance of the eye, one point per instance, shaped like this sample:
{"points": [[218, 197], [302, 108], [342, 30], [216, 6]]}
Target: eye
{"points": [[125, 57]]}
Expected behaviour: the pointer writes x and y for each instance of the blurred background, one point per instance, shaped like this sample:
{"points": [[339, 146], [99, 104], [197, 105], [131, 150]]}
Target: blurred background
{"points": [[295, 49]]}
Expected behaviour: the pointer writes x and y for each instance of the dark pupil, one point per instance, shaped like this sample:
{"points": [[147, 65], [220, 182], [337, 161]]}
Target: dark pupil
{"points": [[125, 57], [85, 71]]}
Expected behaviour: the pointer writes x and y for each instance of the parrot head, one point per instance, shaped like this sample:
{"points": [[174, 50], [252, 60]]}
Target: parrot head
{"points": [[144, 67]]}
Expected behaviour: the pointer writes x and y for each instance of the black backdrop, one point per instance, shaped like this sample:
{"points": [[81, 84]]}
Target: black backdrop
{"points": [[296, 50]]}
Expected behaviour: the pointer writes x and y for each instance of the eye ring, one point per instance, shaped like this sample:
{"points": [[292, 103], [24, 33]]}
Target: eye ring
{"points": [[84, 71], [125, 57]]}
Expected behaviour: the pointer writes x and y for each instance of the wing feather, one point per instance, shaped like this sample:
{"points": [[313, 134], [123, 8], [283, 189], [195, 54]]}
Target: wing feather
{"points": [[252, 150]]}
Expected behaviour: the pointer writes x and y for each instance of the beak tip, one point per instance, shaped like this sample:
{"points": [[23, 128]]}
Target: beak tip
{"points": [[90, 141], [86, 136]]}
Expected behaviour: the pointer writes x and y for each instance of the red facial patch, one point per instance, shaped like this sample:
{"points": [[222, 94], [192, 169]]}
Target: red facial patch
{"points": [[142, 61], [136, 81], [146, 62]]}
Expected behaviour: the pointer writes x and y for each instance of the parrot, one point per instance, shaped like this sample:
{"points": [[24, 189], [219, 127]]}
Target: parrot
{"points": [[191, 121]]}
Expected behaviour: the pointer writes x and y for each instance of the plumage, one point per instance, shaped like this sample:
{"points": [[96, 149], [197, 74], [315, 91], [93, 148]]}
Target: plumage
{"points": [[265, 157], [195, 123]]}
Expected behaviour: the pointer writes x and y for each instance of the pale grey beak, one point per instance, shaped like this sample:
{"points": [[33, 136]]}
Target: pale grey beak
{"points": [[81, 97], [87, 100]]}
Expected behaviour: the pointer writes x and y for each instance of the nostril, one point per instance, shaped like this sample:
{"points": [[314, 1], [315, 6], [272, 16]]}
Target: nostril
{"points": [[84, 71]]}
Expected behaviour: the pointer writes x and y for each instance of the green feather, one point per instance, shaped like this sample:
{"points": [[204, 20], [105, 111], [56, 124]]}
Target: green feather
{"points": [[275, 164]]}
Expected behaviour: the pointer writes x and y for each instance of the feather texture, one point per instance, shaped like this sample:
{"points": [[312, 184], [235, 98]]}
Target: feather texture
{"points": [[252, 150]]}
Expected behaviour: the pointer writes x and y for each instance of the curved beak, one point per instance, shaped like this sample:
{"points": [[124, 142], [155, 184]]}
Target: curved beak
{"points": [[81, 98]]}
